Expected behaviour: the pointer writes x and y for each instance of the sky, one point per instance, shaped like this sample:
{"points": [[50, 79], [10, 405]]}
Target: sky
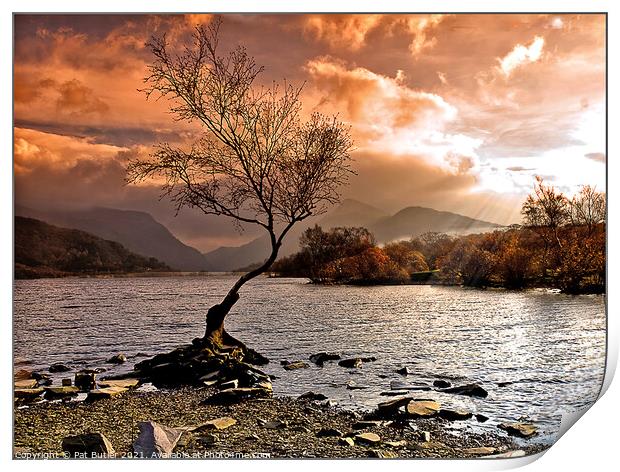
{"points": [[456, 112]]}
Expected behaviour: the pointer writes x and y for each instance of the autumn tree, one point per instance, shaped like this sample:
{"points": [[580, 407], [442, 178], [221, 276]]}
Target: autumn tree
{"points": [[588, 208], [256, 162], [404, 254]]}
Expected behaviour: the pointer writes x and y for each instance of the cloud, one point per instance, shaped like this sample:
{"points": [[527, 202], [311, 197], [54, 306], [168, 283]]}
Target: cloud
{"points": [[597, 156], [521, 55], [341, 31], [76, 98]]}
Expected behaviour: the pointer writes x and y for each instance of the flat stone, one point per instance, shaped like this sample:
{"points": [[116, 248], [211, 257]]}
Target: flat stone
{"points": [[400, 385], [422, 408], [392, 406], [235, 395], [351, 385], [481, 418], [521, 430], [405, 371], [55, 393], [470, 390], [217, 423], [322, 357], [93, 445], [328, 432], [296, 365], [480, 451], [28, 393], [23, 374], [275, 424], [365, 424], [27, 383], [123, 383], [507, 454], [351, 363], [457, 414], [211, 376], [442, 384], [312, 396], [59, 368], [367, 438], [66, 382], [396, 444], [155, 440], [102, 393], [348, 441], [230, 384]]}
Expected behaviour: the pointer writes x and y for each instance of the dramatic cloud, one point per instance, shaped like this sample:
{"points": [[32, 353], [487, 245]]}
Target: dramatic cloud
{"points": [[521, 55]]}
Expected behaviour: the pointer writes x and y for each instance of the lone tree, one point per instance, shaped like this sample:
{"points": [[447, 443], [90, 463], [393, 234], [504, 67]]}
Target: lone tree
{"points": [[256, 163]]}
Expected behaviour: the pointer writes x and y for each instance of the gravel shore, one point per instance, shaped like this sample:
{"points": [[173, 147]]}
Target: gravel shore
{"points": [[279, 427]]}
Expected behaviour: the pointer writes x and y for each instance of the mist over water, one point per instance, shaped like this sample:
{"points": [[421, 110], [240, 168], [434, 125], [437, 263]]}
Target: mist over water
{"points": [[551, 347]]}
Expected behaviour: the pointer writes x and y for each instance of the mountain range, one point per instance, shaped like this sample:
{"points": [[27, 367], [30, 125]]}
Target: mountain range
{"points": [[140, 233]]}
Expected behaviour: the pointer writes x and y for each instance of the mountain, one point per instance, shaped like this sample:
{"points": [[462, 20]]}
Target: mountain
{"points": [[137, 231], [414, 221], [43, 250], [408, 222]]}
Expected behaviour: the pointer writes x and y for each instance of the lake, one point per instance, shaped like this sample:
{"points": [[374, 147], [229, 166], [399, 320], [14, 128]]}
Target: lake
{"points": [[549, 346]]}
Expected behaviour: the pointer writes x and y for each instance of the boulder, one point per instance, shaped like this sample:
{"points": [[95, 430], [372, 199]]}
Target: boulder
{"points": [[470, 390], [328, 433], [22, 374], [457, 414], [322, 357], [26, 383], [521, 430], [155, 440], [296, 365], [312, 396], [117, 359], [351, 363], [217, 423], [481, 418], [28, 393], [442, 384], [123, 383], [404, 371], [367, 439], [88, 445], [422, 408], [85, 381], [55, 393], [103, 393], [236, 395], [58, 367]]}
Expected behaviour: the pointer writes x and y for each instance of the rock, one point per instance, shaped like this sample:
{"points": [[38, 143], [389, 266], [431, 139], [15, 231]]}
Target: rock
{"points": [[276, 424], [211, 376], [66, 382], [367, 439], [300, 429], [457, 414], [442, 384], [368, 359], [351, 385], [504, 384], [396, 444], [229, 384], [400, 385], [392, 406], [351, 363], [322, 357], [346, 441], [422, 408], [404, 371], [328, 433], [217, 423], [58, 368], [312, 396], [208, 440], [28, 393], [102, 393], [117, 359], [382, 454], [88, 445], [155, 440], [481, 418], [508, 454], [365, 424], [424, 436], [26, 384], [23, 374], [42, 379], [393, 393], [521, 430], [296, 365], [85, 381], [55, 393], [479, 451], [235, 395], [123, 383], [470, 390]]}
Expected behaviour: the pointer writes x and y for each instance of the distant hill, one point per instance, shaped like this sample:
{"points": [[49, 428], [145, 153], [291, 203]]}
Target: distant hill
{"points": [[408, 222], [414, 221], [137, 231], [43, 250]]}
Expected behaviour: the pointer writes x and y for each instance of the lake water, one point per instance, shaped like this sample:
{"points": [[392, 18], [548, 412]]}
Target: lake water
{"points": [[550, 346]]}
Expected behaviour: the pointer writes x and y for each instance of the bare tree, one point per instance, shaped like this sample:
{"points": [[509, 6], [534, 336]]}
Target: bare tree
{"points": [[588, 208], [256, 163], [546, 210]]}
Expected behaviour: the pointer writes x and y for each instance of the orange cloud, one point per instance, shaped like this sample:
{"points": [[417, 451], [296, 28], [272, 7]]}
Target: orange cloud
{"points": [[521, 55]]}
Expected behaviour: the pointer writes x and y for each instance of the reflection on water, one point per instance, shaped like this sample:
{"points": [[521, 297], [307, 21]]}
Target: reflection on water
{"points": [[548, 347]]}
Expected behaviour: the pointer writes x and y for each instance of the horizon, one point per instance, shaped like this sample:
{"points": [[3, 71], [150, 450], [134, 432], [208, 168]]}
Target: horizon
{"points": [[434, 125]]}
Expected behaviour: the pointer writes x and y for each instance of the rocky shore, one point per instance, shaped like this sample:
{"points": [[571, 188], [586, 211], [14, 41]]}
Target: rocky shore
{"points": [[262, 427]]}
